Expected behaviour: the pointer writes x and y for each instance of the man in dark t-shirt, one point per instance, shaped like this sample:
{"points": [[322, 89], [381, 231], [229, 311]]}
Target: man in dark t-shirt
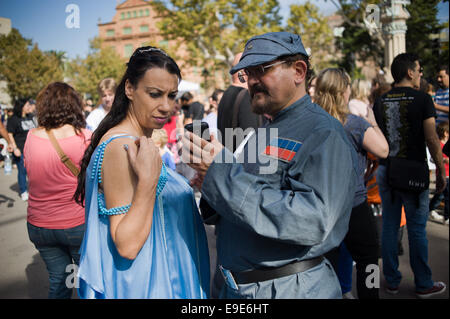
{"points": [[245, 118], [19, 127], [192, 110], [407, 118], [196, 110]]}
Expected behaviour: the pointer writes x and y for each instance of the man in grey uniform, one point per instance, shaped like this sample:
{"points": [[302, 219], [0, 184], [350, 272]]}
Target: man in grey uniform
{"points": [[286, 199]]}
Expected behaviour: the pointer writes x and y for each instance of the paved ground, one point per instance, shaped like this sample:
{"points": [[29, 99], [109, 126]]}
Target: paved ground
{"points": [[23, 273]]}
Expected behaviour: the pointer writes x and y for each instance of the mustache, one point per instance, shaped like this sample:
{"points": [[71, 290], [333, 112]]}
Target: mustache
{"points": [[258, 88]]}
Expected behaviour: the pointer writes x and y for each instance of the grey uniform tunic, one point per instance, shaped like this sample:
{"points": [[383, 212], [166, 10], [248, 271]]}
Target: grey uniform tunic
{"points": [[300, 210]]}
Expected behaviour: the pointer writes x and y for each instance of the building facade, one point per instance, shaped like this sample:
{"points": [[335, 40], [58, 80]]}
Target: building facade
{"points": [[133, 26]]}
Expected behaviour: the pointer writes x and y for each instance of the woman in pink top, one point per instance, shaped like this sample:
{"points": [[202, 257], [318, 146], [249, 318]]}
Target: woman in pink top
{"points": [[55, 222]]}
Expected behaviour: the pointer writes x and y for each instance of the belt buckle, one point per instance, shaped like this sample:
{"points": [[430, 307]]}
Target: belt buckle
{"points": [[228, 277]]}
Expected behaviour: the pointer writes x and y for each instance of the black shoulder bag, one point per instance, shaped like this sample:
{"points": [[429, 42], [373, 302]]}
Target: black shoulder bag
{"points": [[407, 175]]}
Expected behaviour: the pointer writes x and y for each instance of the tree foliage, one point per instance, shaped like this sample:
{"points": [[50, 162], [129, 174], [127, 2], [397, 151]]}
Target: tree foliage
{"points": [[315, 32], [25, 68], [422, 35], [213, 31], [357, 42], [101, 62]]}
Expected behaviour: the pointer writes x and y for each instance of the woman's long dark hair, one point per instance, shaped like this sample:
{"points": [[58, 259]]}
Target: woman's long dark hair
{"points": [[143, 59]]}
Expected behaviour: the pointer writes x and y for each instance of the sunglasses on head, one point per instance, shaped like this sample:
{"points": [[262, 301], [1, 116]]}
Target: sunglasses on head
{"points": [[148, 49]]}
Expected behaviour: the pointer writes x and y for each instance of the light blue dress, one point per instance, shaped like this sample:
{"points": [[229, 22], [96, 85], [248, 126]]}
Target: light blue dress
{"points": [[174, 261]]}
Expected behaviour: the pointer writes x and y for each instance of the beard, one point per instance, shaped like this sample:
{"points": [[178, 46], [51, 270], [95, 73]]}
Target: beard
{"points": [[259, 108], [260, 103]]}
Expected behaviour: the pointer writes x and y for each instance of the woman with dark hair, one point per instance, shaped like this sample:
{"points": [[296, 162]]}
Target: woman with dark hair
{"points": [[144, 236], [18, 126], [55, 221]]}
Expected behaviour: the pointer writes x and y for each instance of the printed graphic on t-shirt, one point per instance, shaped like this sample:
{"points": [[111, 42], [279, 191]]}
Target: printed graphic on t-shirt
{"points": [[27, 125], [396, 109]]}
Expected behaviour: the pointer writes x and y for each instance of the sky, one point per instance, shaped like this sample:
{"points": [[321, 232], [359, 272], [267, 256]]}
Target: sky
{"points": [[44, 21]]}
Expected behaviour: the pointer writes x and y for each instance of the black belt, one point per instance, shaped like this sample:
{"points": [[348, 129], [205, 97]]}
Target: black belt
{"points": [[259, 275]]}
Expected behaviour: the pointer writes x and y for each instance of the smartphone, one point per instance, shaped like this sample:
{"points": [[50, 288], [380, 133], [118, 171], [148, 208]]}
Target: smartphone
{"points": [[228, 277], [201, 129]]}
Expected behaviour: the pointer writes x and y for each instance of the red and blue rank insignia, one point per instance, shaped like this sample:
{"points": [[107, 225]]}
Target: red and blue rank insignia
{"points": [[282, 149]]}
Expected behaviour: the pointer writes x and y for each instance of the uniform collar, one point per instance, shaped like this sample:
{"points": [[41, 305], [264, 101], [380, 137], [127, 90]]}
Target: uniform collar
{"points": [[302, 102]]}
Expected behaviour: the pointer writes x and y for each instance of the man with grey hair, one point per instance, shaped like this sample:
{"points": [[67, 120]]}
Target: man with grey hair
{"points": [[274, 226]]}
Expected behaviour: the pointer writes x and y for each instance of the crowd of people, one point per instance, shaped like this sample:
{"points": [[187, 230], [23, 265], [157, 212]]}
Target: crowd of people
{"points": [[124, 192]]}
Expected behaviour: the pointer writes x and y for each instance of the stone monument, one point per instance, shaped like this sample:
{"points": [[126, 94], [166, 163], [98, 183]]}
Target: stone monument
{"points": [[393, 19]]}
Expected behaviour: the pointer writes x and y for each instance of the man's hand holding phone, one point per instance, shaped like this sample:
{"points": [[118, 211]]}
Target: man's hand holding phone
{"points": [[198, 153]]}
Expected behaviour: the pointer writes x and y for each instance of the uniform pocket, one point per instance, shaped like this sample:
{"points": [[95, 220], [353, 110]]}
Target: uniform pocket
{"points": [[247, 291], [321, 282]]}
